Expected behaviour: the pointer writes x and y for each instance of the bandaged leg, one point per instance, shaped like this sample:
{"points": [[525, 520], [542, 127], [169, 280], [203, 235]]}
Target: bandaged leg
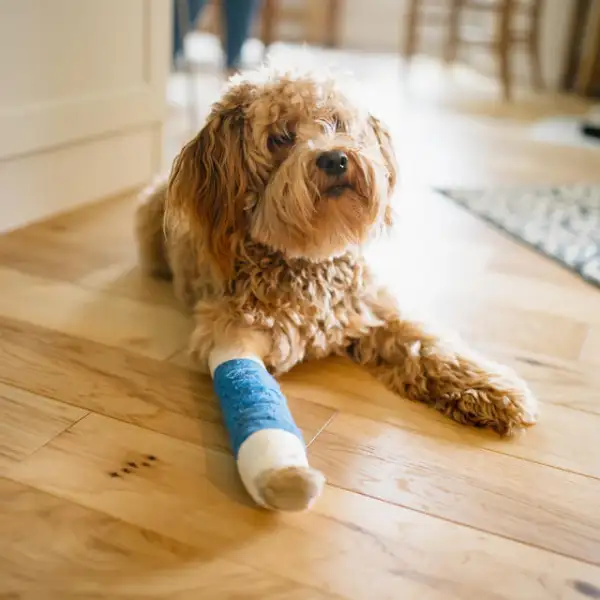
{"points": [[268, 446]]}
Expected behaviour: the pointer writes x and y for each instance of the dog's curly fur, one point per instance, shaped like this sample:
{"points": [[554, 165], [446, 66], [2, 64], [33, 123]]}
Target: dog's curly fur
{"points": [[265, 247]]}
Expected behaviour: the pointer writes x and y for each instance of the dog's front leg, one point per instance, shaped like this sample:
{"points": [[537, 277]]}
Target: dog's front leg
{"points": [[446, 375], [268, 447]]}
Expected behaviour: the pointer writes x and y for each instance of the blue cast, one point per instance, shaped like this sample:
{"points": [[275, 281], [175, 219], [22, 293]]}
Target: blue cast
{"points": [[251, 400]]}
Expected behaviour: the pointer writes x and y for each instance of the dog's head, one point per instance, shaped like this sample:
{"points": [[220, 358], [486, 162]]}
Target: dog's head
{"points": [[286, 160]]}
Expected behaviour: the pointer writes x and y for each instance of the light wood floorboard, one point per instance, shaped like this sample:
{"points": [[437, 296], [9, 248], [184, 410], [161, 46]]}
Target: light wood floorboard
{"points": [[116, 479]]}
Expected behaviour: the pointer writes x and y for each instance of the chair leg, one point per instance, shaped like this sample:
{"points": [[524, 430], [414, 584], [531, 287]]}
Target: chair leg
{"points": [[589, 62], [410, 31], [269, 17], [537, 77], [503, 48], [453, 39], [334, 10]]}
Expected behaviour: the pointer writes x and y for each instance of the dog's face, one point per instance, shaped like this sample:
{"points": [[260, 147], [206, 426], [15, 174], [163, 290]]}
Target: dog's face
{"points": [[287, 161]]}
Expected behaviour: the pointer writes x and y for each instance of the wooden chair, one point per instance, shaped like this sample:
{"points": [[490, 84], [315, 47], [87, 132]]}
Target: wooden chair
{"points": [[588, 70], [319, 21], [450, 14]]}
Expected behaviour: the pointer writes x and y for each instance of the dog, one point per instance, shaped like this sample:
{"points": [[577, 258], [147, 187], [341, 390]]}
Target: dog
{"points": [[262, 225]]}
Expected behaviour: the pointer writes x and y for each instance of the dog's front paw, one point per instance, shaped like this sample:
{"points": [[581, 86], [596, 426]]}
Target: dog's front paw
{"points": [[290, 488], [495, 400]]}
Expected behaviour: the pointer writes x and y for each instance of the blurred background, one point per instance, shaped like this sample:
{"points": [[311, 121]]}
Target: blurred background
{"points": [[100, 95]]}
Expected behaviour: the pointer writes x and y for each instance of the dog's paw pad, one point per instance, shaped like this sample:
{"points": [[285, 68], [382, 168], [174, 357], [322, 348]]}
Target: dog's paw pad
{"points": [[291, 489]]}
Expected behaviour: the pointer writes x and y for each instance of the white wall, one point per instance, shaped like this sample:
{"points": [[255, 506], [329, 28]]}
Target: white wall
{"points": [[82, 100], [372, 25]]}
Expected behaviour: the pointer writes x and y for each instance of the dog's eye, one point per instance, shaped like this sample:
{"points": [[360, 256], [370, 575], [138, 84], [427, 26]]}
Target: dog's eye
{"points": [[280, 141], [339, 124]]}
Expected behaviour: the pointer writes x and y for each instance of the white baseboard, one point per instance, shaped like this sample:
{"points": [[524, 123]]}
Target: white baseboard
{"points": [[40, 185]]}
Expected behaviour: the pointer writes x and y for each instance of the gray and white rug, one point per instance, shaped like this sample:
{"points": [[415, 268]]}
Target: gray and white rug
{"points": [[562, 222]]}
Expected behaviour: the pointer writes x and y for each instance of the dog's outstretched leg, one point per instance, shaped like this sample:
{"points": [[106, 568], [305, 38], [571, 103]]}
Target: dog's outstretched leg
{"points": [[268, 447], [446, 375]]}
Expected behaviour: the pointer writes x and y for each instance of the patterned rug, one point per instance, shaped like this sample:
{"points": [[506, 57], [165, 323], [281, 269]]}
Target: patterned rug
{"points": [[561, 222]]}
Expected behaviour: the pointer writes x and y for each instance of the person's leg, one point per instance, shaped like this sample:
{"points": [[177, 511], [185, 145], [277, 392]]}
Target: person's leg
{"points": [[238, 16], [193, 10]]}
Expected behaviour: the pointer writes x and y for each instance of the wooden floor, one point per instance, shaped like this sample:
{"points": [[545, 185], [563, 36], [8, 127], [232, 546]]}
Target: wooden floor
{"points": [[116, 479]]}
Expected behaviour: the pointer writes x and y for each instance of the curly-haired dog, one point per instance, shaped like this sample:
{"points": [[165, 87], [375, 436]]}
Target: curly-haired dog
{"points": [[261, 225]]}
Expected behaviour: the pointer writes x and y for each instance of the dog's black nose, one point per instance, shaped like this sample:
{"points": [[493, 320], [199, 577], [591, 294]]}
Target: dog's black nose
{"points": [[333, 162]]}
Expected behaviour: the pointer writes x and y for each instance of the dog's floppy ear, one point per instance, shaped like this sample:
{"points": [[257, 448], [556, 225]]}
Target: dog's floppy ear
{"points": [[384, 139], [386, 147], [207, 186]]}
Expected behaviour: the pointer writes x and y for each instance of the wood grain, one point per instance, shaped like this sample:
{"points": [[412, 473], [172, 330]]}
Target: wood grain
{"points": [[517, 499], [129, 387], [28, 421], [68, 247], [101, 557], [104, 318], [124, 279], [591, 347], [350, 545], [118, 478], [552, 445]]}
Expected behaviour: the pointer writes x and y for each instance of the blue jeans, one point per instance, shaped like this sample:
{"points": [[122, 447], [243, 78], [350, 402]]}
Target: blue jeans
{"points": [[237, 16]]}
